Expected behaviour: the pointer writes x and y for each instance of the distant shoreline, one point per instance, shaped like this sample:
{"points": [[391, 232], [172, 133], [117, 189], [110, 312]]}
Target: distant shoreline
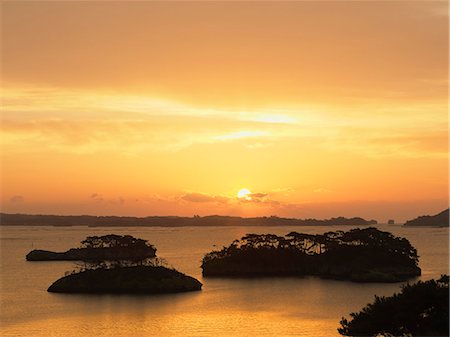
{"points": [[439, 220], [7, 219], [212, 225]]}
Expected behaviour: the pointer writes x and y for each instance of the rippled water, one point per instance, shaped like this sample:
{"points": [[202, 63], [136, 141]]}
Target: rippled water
{"points": [[225, 307]]}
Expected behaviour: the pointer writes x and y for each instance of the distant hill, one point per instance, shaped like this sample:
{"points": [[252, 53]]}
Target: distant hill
{"points": [[170, 221], [438, 220]]}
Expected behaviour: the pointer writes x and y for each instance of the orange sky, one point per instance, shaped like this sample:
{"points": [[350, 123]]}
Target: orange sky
{"points": [[319, 108]]}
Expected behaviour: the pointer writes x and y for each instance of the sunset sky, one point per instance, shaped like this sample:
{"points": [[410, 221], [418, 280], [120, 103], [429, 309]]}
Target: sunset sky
{"points": [[318, 109]]}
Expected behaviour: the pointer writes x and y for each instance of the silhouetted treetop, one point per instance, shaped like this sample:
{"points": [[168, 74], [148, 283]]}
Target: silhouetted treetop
{"points": [[109, 247], [420, 309], [371, 238], [113, 240]]}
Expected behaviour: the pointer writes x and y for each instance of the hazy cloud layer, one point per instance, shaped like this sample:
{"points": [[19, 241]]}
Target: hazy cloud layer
{"points": [[17, 199], [200, 197]]}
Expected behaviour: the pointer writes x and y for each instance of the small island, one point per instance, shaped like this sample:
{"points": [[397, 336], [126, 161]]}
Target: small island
{"points": [[98, 248], [420, 309], [360, 255], [116, 264], [438, 220], [126, 280]]}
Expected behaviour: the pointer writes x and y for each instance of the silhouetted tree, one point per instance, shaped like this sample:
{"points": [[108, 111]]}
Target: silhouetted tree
{"points": [[113, 240], [362, 252], [420, 309]]}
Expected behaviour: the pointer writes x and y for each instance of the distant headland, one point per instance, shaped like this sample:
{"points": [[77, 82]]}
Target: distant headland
{"points": [[438, 220], [7, 219]]}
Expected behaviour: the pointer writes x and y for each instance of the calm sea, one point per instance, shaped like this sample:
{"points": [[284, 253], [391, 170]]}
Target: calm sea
{"points": [[225, 307]]}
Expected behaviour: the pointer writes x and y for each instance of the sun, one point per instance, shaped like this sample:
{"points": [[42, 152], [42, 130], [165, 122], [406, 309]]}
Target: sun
{"points": [[244, 194]]}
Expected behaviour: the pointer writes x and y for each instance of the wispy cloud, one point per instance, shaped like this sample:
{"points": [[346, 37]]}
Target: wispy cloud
{"points": [[17, 199], [241, 134], [79, 122], [322, 190], [202, 197], [98, 198]]}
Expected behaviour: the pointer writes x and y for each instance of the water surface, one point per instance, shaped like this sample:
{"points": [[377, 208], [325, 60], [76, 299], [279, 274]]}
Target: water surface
{"points": [[292, 306]]}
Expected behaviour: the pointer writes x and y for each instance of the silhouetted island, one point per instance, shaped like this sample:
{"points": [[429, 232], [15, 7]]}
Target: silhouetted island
{"points": [[116, 264], [126, 280], [420, 309], [99, 248], [7, 219], [439, 220], [362, 255]]}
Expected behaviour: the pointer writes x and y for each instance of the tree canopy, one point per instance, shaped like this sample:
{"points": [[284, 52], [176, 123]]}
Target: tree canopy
{"points": [[420, 309], [360, 254], [316, 244], [113, 240]]}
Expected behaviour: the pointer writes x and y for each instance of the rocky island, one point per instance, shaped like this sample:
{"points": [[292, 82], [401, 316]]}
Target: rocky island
{"points": [[361, 255], [126, 280], [98, 248], [438, 220]]}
